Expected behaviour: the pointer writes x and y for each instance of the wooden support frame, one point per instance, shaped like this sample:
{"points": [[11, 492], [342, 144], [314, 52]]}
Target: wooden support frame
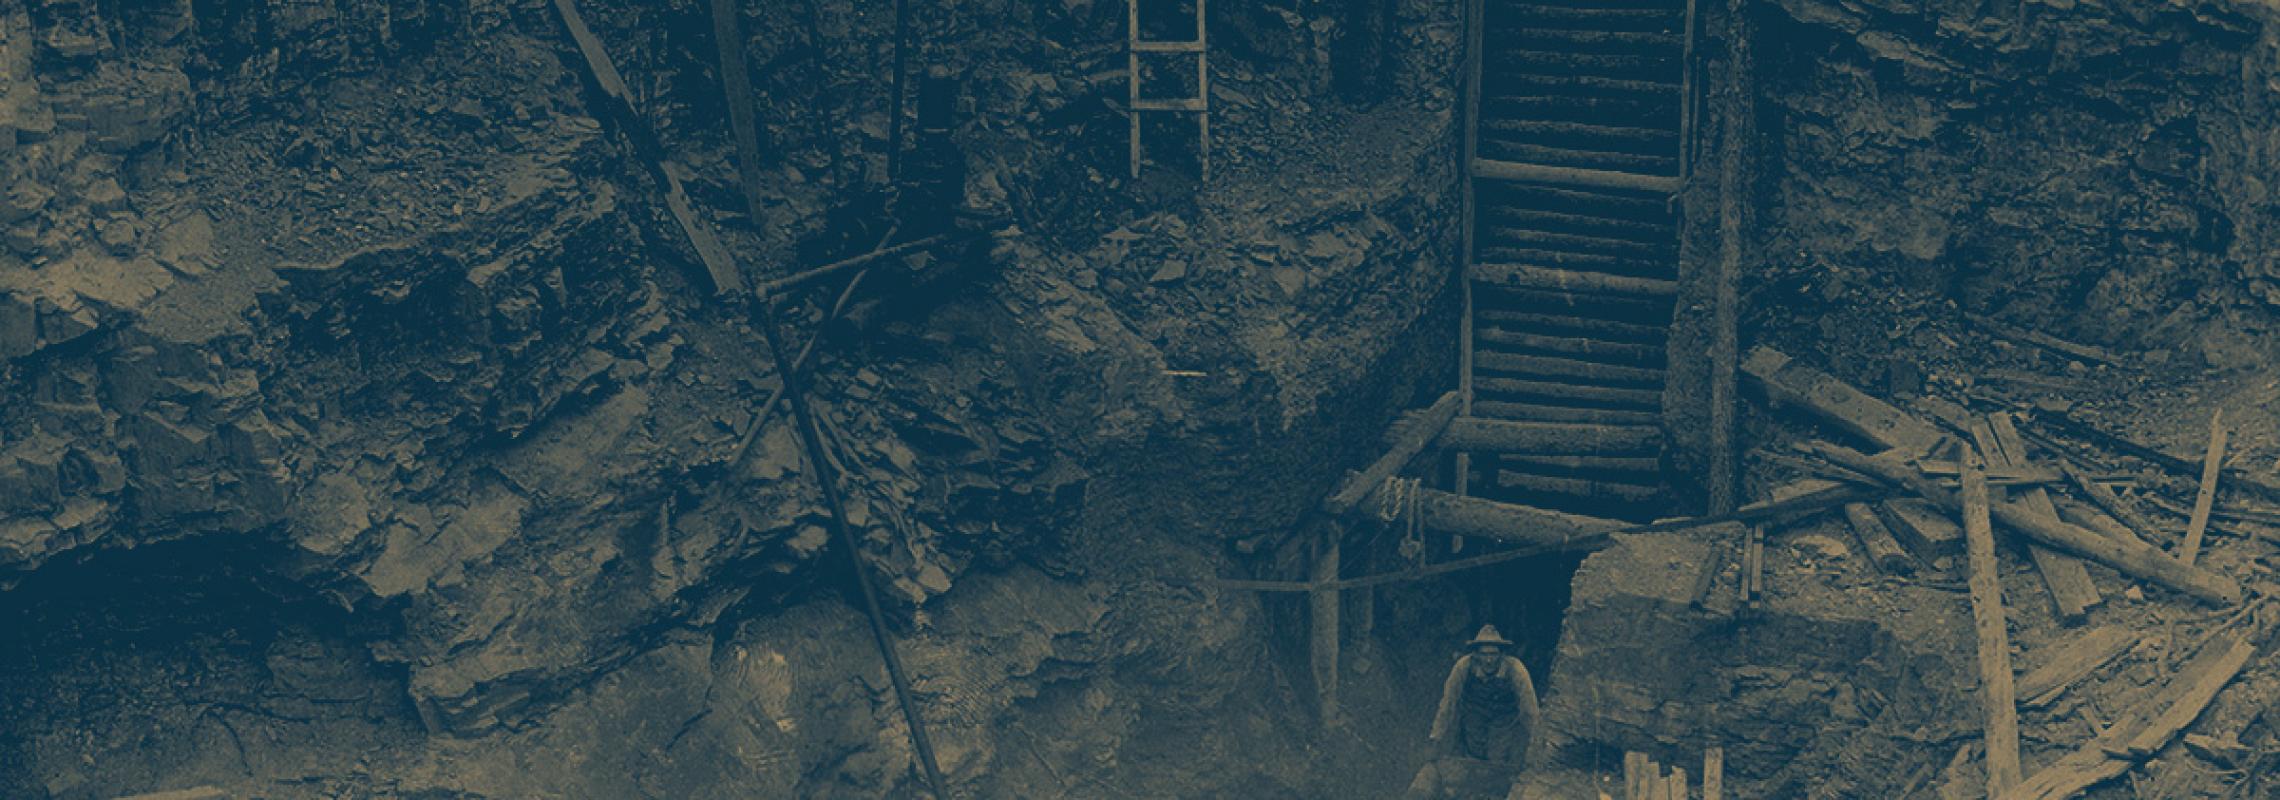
{"points": [[1200, 104]]}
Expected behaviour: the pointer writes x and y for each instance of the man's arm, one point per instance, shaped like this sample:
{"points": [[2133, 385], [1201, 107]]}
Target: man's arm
{"points": [[1450, 689], [1525, 690]]}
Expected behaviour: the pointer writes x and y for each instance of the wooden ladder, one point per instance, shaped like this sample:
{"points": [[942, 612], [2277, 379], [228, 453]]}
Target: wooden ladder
{"points": [[1200, 104]]}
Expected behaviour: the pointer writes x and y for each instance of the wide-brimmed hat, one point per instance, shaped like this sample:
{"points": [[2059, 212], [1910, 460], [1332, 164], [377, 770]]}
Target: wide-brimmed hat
{"points": [[1487, 636]]}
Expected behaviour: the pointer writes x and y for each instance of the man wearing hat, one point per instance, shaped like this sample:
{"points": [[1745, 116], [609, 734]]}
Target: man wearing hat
{"points": [[1488, 705]]}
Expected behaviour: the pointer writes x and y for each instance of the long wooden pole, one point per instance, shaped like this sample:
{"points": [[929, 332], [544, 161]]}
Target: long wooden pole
{"points": [[1324, 628], [2130, 557], [1994, 639], [729, 38]]}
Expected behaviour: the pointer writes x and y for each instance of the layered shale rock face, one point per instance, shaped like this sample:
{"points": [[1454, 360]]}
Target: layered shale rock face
{"points": [[2105, 165], [364, 289], [1822, 688]]}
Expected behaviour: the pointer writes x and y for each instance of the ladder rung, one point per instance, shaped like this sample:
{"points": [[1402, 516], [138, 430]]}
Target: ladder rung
{"points": [[1167, 47], [1530, 276], [1556, 413], [1572, 176], [1188, 104]]}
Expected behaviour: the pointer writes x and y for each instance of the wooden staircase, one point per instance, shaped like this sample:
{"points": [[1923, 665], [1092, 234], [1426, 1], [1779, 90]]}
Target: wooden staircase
{"points": [[1573, 156]]}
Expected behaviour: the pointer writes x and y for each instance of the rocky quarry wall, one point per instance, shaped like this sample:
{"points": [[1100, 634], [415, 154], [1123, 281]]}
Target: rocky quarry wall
{"points": [[363, 295]]}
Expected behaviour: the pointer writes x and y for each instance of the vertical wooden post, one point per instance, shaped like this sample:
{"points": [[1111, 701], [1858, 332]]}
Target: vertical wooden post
{"points": [[1995, 687], [1474, 14], [1325, 624], [2206, 501], [1132, 68], [1714, 773], [1634, 775], [1678, 783], [1202, 91]]}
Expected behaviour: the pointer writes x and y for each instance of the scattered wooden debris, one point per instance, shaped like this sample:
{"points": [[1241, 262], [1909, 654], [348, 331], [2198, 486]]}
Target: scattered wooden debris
{"points": [[2177, 466], [2211, 465], [1995, 689], [1877, 542], [2130, 557], [2072, 662], [2070, 588], [2046, 341], [2145, 728], [2105, 498], [1920, 525], [1786, 382]]}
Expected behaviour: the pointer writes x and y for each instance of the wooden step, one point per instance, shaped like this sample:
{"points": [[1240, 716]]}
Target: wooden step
{"points": [[1505, 148], [1656, 112], [1583, 135], [1631, 211], [1658, 67], [1624, 308], [1560, 83], [1544, 15], [1589, 330], [1537, 412], [1640, 469], [1573, 347], [1503, 170], [1660, 268], [1570, 40], [1565, 370], [1601, 489], [1663, 6], [1530, 276], [1475, 434], [1567, 394], [1665, 252]]}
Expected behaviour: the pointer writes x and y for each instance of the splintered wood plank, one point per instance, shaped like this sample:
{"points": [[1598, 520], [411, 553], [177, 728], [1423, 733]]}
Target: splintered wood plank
{"points": [[2072, 662], [1787, 382], [2105, 498], [2069, 582], [1995, 688], [2206, 501], [2145, 728]]}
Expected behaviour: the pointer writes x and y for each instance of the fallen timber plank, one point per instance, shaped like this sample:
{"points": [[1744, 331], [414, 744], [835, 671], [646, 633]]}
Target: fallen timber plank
{"points": [[1529, 276], [1492, 169], [1921, 526], [1421, 432], [2072, 662], [1786, 382], [1995, 687], [2079, 514], [2144, 729], [2045, 341], [1877, 541], [1500, 436], [2129, 557], [1997, 474], [2112, 503], [2206, 501], [2069, 583]]}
